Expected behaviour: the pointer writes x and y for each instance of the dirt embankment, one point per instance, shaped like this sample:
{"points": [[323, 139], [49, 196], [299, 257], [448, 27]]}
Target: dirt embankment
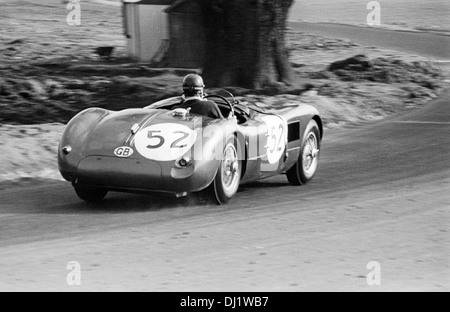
{"points": [[374, 83]]}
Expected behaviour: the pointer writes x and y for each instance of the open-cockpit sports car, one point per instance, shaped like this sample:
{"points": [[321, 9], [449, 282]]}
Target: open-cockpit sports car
{"points": [[162, 148]]}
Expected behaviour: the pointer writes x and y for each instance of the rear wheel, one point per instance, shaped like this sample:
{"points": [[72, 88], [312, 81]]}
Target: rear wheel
{"points": [[228, 178], [308, 161], [90, 194]]}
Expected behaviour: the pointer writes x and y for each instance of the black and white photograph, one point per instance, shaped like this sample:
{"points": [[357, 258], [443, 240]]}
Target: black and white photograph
{"points": [[225, 152]]}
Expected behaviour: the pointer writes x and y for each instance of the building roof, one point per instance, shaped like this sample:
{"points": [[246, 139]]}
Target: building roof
{"points": [[176, 4], [152, 2]]}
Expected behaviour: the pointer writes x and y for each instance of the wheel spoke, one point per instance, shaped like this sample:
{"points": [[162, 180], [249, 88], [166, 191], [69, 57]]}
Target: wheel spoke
{"points": [[310, 152], [230, 168]]}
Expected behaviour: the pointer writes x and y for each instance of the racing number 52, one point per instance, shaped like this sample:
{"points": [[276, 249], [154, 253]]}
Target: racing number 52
{"points": [[276, 139], [151, 135], [176, 144]]}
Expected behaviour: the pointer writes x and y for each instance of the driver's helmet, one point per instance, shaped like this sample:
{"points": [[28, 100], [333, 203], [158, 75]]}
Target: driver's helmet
{"points": [[193, 85]]}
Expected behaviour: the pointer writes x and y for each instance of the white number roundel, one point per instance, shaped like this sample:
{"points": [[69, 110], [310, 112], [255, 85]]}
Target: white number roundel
{"points": [[165, 142], [276, 138]]}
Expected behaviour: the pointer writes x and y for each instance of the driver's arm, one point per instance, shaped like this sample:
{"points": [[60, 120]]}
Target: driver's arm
{"points": [[211, 109], [216, 112]]}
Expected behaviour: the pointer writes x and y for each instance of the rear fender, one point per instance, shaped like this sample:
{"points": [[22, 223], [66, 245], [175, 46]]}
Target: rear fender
{"points": [[76, 135], [207, 152], [212, 141]]}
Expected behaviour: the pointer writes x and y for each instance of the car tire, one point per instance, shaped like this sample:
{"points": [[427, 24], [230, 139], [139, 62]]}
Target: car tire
{"points": [[306, 166], [228, 177], [90, 194]]}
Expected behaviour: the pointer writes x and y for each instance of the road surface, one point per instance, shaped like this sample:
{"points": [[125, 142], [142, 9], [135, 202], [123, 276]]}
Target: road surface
{"points": [[434, 46]]}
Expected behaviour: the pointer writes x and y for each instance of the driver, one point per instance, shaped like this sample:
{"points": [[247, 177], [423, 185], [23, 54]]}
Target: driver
{"points": [[194, 98]]}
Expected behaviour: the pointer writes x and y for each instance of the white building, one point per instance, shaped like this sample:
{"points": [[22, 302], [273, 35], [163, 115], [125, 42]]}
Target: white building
{"points": [[146, 28]]}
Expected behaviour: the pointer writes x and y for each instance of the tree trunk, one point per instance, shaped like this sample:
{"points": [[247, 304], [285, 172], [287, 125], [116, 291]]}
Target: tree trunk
{"points": [[246, 44]]}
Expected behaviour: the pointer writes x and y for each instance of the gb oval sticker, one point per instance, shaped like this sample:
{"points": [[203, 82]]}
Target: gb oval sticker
{"points": [[123, 152]]}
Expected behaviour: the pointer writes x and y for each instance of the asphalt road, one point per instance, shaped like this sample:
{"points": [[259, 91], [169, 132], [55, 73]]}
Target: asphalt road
{"points": [[435, 46], [381, 194]]}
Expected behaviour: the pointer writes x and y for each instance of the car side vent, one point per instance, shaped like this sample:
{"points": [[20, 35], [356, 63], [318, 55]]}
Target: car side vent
{"points": [[294, 132]]}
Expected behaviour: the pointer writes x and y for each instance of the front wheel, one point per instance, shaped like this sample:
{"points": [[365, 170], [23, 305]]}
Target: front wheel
{"points": [[308, 161], [90, 194], [228, 178]]}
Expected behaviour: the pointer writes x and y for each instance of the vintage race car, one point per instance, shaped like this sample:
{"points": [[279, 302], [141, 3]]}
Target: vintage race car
{"points": [[162, 148]]}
